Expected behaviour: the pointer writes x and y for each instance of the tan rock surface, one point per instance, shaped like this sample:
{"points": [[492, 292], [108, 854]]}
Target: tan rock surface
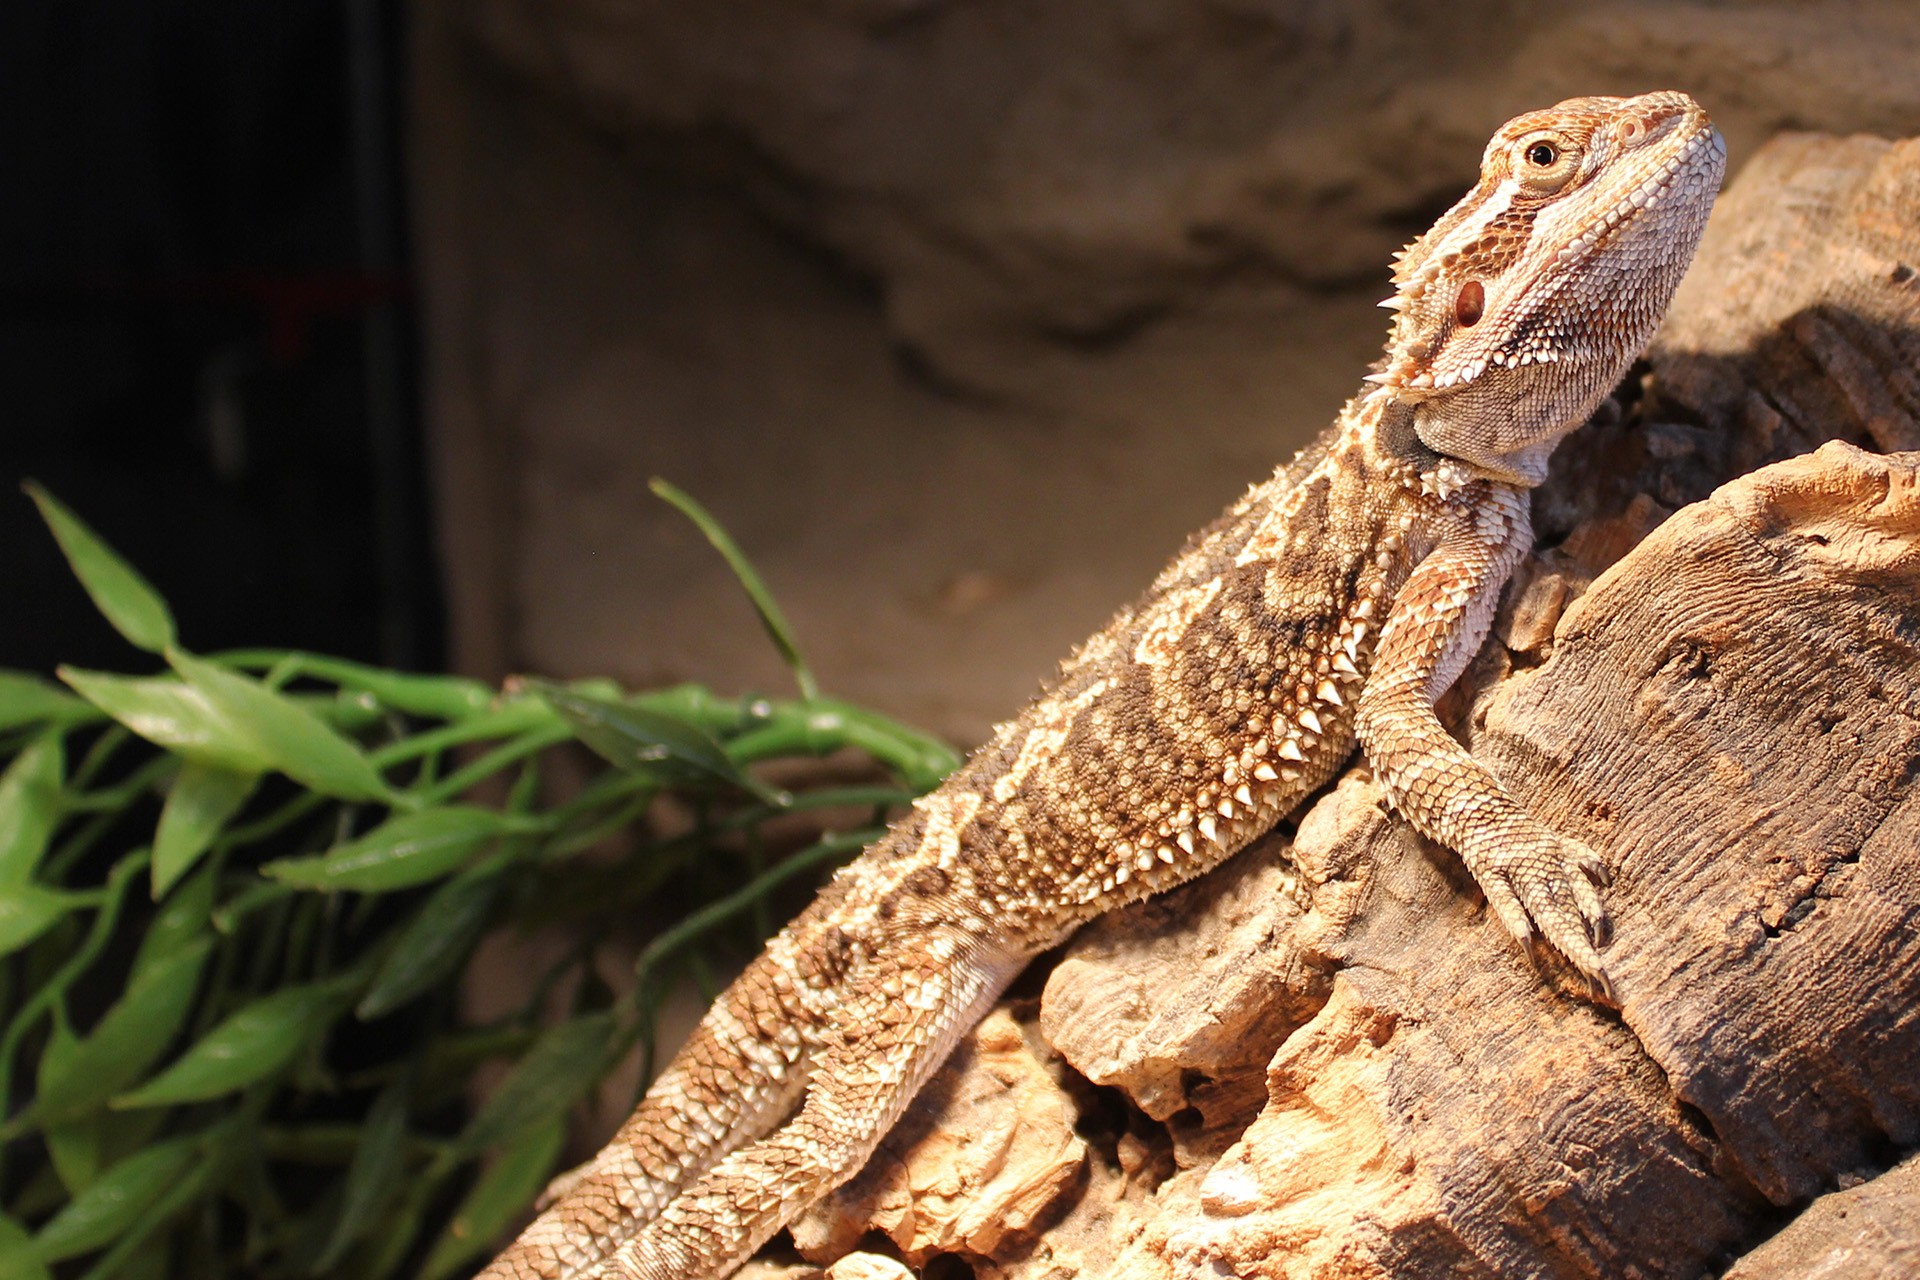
{"points": [[759, 1269], [961, 315], [986, 1155], [1181, 1027], [868, 1266]]}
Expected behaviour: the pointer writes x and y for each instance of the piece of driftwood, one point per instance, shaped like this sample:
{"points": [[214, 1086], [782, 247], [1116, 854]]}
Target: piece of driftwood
{"points": [[1866, 1232], [991, 1150], [1327, 1060]]}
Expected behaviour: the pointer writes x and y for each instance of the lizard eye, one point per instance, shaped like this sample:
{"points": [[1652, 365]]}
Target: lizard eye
{"points": [[1546, 164]]}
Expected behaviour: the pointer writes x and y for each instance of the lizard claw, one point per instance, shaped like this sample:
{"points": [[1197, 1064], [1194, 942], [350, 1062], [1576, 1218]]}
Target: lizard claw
{"points": [[1552, 885]]}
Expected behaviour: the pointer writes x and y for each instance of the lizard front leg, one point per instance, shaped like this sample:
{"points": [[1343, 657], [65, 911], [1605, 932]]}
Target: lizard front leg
{"points": [[1532, 877], [901, 1015]]}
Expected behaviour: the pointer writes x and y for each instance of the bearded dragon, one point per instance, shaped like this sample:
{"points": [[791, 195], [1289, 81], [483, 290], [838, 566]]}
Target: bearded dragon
{"points": [[1335, 602]]}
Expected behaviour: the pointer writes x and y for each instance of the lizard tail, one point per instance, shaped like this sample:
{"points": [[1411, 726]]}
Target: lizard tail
{"points": [[738, 1076], [902, 1018]]}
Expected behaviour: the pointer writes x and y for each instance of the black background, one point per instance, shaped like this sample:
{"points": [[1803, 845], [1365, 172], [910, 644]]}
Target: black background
{"points": [[206, 337]]}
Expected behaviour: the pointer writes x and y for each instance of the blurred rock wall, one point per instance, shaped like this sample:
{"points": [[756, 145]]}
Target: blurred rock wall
{"points": [[959, 313]]}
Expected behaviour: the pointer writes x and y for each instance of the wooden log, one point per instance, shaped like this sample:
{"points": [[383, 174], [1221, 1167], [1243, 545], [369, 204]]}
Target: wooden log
{"points": [[1866, 1232]]}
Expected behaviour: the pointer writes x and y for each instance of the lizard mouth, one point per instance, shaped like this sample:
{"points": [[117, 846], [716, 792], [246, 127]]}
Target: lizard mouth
{"points": [[1695, 161]]}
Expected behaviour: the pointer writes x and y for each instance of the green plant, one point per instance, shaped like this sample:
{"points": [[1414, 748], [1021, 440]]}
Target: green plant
{"points": [[237, 899]]}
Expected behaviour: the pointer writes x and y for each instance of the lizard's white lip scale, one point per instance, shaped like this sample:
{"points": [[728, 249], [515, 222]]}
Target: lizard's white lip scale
{"points": [[1703, 149], [1332, 604]]}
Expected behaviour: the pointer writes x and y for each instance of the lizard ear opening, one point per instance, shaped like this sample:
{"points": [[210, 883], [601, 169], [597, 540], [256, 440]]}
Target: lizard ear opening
{"points": [[1470, 305]]}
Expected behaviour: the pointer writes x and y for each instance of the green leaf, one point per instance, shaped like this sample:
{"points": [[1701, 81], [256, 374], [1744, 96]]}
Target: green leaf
{"points": [[201, 801], [30, 807], [81, 1148], [406, 850], [75, 1150], [17, 1258], [138, 1261], [128, 1039], [116, 1202], [180, 922], [172, 715], [29, 910], [920, 758], [26, 699], [558, 1070], [251, 1044], [452, 698], [498, 1198], [394, 1239], [291, 738], [641, 740], [371, 1177], [134, 608], [129, 1252], [764, 604], [435, 942]]}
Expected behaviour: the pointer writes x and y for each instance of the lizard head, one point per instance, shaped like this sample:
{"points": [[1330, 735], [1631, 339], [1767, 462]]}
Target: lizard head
{"points": [[1523, 306]]}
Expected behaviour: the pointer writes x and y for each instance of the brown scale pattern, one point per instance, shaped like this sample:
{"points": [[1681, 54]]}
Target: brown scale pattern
{"points": [[1334, 602], [1499, 245], [1163, 749]]}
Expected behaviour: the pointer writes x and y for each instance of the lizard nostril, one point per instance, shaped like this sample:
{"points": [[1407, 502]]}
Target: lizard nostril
{"points": [[1634, 130]]}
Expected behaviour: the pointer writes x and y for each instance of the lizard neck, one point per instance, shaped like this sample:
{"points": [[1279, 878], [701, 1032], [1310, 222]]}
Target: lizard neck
{"points": [[1407, 445]]}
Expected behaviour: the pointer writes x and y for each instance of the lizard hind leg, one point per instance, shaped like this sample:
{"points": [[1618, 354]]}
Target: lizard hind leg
{"points": [[902, 1017]]}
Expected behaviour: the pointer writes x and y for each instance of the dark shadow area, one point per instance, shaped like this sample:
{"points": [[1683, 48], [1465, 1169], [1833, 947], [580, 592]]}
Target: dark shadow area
{"points": [[206, 333]]}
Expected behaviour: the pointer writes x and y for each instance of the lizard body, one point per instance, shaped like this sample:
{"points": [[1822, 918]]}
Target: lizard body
{"points": [[1333, 603]]}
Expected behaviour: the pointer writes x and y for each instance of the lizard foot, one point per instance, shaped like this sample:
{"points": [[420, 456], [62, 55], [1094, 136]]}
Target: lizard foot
{"points": [[1548, 885]]}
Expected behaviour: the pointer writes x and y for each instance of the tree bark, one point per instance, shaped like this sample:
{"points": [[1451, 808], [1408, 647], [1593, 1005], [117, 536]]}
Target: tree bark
{"points": [[1328, 1060]]}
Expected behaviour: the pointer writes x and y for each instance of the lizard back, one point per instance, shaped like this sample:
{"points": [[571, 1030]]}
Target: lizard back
{"points": [[1198, 717]]}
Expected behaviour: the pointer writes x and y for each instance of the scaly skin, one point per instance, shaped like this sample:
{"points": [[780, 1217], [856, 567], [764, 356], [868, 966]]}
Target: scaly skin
{"points": [[1334, 602]]}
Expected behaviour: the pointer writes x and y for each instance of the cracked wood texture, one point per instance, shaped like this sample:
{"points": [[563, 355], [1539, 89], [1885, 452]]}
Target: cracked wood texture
{"points": [[1866, 1232], [1326, 1060]]}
